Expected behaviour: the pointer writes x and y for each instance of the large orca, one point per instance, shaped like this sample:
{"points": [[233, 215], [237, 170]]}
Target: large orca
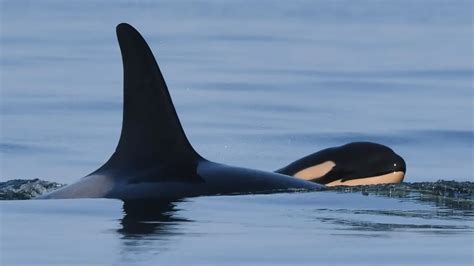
{"points": [[154, 159]]}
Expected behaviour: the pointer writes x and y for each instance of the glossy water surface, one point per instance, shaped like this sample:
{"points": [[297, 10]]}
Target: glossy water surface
{"points": [[327, 228], [255, 84]]}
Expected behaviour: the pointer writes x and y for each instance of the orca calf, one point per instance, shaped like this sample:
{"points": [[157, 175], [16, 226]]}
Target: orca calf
{"points": [[353, 164], [155, 161]]}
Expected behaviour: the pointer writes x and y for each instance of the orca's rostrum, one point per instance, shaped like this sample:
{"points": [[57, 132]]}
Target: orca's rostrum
{"points": [[154, 159]]}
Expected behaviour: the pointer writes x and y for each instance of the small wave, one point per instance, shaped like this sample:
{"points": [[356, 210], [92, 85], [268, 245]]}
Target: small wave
{"points": [[450, 189], [22, 189], [451, 194]]}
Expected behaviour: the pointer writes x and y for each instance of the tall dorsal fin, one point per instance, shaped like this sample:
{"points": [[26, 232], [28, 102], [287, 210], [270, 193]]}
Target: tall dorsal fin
{"points": [[151, 131]]}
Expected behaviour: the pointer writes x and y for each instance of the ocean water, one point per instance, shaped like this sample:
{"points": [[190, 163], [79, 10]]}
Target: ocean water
{"points": [[325, 228], [256, 84]]}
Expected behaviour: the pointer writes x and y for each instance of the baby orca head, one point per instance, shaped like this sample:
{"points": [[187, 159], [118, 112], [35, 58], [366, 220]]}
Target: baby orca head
{"points": [[353, 164]]}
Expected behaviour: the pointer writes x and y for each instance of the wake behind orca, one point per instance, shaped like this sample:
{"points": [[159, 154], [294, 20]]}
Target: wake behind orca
{"points": [[155, 161]]}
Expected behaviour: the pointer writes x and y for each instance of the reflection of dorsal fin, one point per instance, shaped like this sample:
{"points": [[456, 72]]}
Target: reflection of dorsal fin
{"points": [[151, 131]]}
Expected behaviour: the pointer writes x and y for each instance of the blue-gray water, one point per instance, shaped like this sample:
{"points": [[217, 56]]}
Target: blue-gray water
{"points": [[256, 85], [324, 228]]}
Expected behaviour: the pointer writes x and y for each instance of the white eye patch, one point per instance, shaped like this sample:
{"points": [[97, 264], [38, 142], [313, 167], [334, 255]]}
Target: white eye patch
{"points": [[315, 171]]}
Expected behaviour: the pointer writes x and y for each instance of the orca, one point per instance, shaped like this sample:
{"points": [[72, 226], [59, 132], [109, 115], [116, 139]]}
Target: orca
{"points": [[154, 160], [353, 164]]}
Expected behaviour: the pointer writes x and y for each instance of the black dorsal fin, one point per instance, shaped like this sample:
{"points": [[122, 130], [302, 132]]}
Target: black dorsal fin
{"points": [[151, 131]]}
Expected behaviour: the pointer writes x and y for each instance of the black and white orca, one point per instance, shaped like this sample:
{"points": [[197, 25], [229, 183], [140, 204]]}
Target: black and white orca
{"points": [[154, 160], [353, 164]]}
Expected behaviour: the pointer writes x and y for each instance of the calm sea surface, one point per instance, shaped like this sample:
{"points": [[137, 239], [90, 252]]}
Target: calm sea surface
{"points": [[256, 84]]}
